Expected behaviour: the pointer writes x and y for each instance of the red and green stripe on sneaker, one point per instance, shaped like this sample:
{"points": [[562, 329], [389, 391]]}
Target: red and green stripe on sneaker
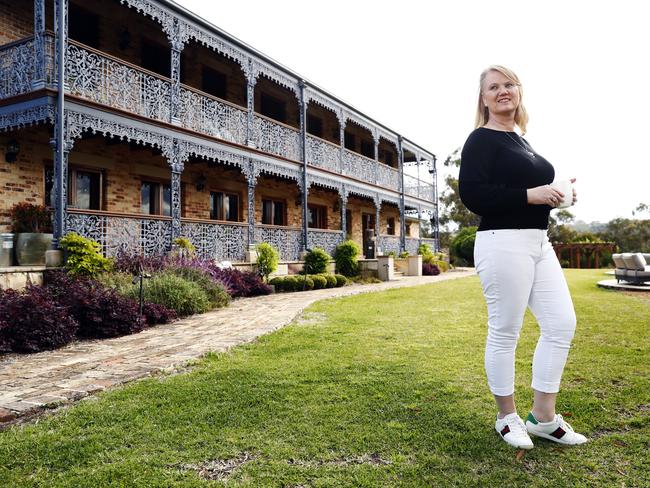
{"points": [[557, 430]]}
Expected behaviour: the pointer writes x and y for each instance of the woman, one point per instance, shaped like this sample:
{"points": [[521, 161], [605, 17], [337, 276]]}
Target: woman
{"points": [[506, 182]]}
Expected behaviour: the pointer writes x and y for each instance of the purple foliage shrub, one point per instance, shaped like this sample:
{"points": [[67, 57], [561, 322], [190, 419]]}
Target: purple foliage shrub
{"points": [[130, 263], [157, 314], [100, 312], [35, 321], [430, 269]]}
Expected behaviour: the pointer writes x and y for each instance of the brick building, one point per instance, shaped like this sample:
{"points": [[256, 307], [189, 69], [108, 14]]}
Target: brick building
{"points": [[170, 127]]}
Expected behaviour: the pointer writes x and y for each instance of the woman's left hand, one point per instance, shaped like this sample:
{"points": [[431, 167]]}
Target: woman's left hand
{"points": [[575, 194]]}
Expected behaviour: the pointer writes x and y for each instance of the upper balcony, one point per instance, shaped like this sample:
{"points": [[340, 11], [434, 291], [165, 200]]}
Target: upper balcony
{"points": [[233, 96]]}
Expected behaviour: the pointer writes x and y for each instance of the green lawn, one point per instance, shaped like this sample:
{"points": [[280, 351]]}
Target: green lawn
{"points": [[382, 389]]}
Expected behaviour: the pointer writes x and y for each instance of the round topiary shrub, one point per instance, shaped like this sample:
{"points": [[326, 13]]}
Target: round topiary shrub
{"points": [[278, 283], [331, 280], [303, 283], [346, 257], [183, 296], [34, 320], [340, 280], [320, 281], [316, 261]]}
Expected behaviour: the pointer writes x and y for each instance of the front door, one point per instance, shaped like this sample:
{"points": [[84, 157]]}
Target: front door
{"points": [[368, 230]]}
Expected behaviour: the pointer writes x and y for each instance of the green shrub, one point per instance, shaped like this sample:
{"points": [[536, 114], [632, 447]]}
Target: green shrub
{"points": [[340, 280], [303, 283], [346, 257], [122, 283], [215, 291], [278, 282], [316, 261], [462, 247], [442, 265], [404, 254], [181, 295], [267, 259], [424, 249], [320, 281], [331, 280], [83, 257]]}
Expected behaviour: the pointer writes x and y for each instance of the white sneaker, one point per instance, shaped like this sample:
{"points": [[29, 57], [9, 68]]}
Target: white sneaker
{"points": [[512, 429], [557, 430]]}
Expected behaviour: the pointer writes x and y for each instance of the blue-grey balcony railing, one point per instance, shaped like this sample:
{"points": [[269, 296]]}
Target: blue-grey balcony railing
{"points": [[98, 77]]}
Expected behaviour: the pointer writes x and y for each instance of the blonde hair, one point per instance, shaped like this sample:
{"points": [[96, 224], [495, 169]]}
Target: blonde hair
{"points": [[482, 112]]}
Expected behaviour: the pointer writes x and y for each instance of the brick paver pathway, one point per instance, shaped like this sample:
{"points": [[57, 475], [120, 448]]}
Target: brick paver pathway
{"points": [[30, 382]]}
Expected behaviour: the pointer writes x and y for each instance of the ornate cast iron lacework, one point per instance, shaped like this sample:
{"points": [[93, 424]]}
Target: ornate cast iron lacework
{"points": [[134, 235], [276, 138], [388, 177], [217, 241], [359, 166], [26, 116], [286, 240], [327, 240], [388, 244], [102, 80], [323, 154], [412, 244], [17, 69], [212, 117]]}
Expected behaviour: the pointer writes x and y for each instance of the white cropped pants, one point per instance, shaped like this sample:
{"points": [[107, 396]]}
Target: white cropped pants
{"points": [[518, 269]]}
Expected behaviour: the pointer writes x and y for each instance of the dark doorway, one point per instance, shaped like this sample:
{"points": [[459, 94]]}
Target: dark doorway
{"points": [[368, 229]]}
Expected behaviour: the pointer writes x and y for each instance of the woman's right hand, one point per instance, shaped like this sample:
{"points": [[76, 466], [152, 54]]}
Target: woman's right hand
{"points": [[544, 195]]}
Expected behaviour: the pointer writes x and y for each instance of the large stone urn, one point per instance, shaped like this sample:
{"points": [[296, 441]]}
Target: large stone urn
{"points": [[30, 248]]}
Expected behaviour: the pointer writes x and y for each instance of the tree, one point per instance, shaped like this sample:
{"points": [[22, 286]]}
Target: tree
{"points": [[641, 208], [452, 208], [630, 235]]}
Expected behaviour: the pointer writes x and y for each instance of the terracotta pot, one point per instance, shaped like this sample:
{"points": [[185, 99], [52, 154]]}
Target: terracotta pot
{"points": [[31, 247]]}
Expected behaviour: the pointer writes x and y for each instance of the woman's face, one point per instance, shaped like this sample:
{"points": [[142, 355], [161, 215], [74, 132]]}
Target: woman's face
{"points": [[500, 94]]}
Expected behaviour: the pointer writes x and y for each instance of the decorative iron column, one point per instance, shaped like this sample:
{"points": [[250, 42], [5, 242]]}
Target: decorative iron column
{"points": [[177, 46], [251, 81], [375, 138], [344, 212], [303, 156], [342, 121], [402, 209], [61, 143], [176, 162], [251, 173], [39, 45], [377, 223]]}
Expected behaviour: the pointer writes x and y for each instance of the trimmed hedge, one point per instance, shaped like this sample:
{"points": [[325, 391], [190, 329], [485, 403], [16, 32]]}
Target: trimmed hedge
{"points": [[346, 256], [316, 261]]}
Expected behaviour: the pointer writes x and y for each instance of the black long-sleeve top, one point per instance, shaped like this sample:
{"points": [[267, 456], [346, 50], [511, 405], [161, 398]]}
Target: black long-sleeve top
{"points": [[495, 172]]}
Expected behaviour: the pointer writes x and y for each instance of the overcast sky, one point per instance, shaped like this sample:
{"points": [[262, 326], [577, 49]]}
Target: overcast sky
{"points": [[414, 66]]}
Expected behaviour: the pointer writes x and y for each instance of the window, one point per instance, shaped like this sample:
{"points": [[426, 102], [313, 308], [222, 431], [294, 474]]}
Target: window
{"points": [[224, 206], [156, 58], [155, 198], [83, 26], [273, 107], [350, 140], [273, 212], [368, 149], [390, 226], [213, 82], [408, 229], [84, 188], [315, 125], [317, 216], [348, 222]]}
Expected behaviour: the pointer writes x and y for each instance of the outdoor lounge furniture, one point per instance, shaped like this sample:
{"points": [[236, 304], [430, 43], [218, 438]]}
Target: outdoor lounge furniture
{"points": [[632, 267]]}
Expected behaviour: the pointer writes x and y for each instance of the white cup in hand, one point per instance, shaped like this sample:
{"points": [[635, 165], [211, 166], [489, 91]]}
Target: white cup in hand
{"points": [[566, 188]]}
